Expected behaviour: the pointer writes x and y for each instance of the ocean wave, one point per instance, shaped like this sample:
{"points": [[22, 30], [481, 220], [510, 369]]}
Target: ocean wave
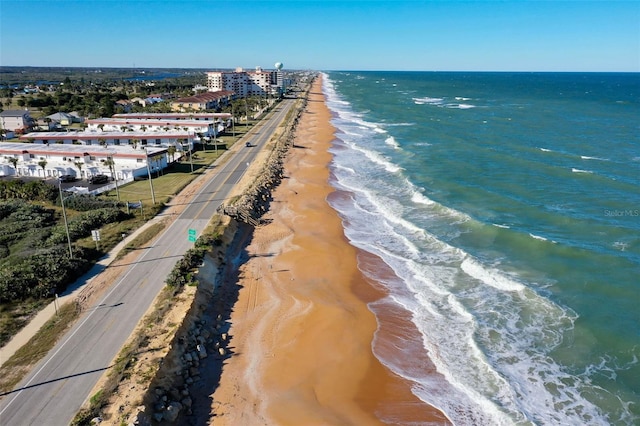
{"points": [[441, 102], [585, 157], [379, 159], [537, 237], [391, 141], [488, 276], [459, 106], [399, 124], [428, 100], [419, 198], [574, 170]]}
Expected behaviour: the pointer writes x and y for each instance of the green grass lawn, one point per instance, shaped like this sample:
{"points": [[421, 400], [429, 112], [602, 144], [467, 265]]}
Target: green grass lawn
{"points": [[169, 182]]}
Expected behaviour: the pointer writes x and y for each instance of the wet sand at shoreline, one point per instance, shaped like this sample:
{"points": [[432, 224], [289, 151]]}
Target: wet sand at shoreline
{"points": [[301, 332]]}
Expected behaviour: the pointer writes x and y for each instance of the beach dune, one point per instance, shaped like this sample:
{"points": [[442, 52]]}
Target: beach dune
{"points": [[301, 330]]}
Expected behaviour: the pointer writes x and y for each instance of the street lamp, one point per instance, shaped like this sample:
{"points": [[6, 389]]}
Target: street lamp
{"points": [[64, 216]]}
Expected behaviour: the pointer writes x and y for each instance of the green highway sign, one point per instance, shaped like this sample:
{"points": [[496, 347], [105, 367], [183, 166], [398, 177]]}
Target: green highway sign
{"points": [[192, 235]]}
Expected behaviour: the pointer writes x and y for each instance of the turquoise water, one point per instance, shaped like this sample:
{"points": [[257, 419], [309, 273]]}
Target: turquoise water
{"points": [[508, 206]]}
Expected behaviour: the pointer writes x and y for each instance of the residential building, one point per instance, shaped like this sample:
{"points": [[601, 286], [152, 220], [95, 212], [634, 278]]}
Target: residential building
{"points": [[18, 121], [61, 118], [176, 138], [245, 83], [150, 125], [50, 161], [205, 116], [203, 101]]}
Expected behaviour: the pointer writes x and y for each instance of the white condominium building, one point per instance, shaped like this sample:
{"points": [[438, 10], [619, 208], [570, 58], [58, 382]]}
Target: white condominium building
{"points": [[244, 83]]}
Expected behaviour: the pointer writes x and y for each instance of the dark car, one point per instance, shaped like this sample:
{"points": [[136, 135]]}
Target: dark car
{"points": [[67, 178], [248, 144], [95, 179]]}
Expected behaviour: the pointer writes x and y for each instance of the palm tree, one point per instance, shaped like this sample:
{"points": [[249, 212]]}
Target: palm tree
{"points": [[112, 165], [134, 142], [43, 164], [14, 161], [79, 165], [171, 150], [102, 142]]}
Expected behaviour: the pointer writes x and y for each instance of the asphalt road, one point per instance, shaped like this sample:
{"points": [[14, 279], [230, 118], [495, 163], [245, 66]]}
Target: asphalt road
{"points": [[59, 385]]}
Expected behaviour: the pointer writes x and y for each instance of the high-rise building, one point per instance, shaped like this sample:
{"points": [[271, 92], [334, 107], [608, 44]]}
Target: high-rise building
{"points": [[245, 83]]}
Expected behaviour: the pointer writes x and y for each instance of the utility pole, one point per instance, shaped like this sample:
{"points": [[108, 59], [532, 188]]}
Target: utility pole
{"points": [[190, 145], [64, 216], [153, 196]]}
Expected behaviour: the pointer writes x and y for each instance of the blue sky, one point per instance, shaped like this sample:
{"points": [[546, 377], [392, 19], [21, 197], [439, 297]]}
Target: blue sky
{"points": [[327, 35]]}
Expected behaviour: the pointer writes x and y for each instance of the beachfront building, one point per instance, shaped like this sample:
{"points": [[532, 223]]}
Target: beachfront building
{"points": [[81, 161], [222, 119], [17, 121], [245, 83], [177, 138], [203, 101], [206, 116], [142, 125]]}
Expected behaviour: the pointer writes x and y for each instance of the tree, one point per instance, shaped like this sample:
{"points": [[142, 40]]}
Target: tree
{"points": [[14, 161], [43, 164], [102, 142], [79, 165], [171, 150], [112, 166]]}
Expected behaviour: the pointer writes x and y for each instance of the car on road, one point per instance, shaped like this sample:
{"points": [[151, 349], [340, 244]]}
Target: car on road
{"points": [[248, 144], [67, 178], [96, 179]]}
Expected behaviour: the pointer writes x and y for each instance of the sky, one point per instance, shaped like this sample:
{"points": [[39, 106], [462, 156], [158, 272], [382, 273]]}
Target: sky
{"points": [[509, 35]]}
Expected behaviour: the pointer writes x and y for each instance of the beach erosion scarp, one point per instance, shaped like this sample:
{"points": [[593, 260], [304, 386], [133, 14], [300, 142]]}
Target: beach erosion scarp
{"points": [[301, 332]]}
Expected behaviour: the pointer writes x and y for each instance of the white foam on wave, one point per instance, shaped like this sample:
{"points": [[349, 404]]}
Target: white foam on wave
{"points": [[419, 198], [585, 157], [345, 168], [574, 170], [501, 226], [391, 141], [490, 276], [460, 98], [380, 160], [460, 106], [545, 150], [537, 237], [399, 124], [428, 100]]}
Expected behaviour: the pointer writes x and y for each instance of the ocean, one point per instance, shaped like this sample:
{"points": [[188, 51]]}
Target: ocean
{"points": [[507, 206]]}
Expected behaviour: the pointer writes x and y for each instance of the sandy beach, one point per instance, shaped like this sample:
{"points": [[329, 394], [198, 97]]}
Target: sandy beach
{"points": [[301, 332]]}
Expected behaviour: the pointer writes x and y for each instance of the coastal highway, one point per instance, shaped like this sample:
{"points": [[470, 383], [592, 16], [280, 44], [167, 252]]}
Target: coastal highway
{"points": [[58, 386]]}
